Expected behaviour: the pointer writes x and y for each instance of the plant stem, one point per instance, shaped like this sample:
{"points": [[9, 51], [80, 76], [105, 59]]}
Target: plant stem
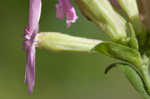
{"points": [[146, 77]]}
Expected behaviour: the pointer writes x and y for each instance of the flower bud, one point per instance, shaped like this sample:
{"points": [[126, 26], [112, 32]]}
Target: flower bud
{"points": [[102, 13], [132, 12]]}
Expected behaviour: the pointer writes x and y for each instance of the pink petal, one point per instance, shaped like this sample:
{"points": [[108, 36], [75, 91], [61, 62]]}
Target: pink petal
{"points": [[29, 43], [65, 9]]}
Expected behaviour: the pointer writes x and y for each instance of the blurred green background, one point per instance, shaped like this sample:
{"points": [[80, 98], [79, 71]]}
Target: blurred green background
{"points": [[58, 75]]}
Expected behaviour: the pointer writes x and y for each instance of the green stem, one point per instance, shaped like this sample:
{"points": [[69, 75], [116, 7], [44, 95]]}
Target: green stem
{"points": [[146, 77], [63, 42]]}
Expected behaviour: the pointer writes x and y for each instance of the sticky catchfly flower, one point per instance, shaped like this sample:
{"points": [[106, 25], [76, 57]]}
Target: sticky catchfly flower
{"points": [[29, 44], [65, 9]]}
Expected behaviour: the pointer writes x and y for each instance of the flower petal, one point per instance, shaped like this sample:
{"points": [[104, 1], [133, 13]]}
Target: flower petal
{"points": [[34, 15], [60, 10], [115, 3], [30, 65], [65, 9], [29, 43]]}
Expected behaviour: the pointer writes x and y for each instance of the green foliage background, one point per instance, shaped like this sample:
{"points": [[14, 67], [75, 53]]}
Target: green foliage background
{"points": [[58, 75]]}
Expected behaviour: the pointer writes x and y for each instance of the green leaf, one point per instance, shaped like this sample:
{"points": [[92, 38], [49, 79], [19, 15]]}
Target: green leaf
{"points": [[120, 52], [110, 67], [135, 79], [133, 76]]}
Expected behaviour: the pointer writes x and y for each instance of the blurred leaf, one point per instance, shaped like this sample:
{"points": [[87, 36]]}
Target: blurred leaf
{"points": [[135, 79], [133, 76]]}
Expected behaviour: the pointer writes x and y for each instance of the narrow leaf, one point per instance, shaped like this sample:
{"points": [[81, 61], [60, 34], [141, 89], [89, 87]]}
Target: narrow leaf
{"points": [[133, 76], [135, 79], [120, 52]]}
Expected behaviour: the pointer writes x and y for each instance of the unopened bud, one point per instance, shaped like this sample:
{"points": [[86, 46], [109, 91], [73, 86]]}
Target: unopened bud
{"points": [[102, 13], [131, 9]]}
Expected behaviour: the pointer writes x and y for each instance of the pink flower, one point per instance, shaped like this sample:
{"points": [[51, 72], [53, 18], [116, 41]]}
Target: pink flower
{"points": [[65, 9], [115, 3], [29, 43]]}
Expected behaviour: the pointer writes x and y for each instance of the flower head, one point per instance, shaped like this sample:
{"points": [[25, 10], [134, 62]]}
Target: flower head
{"points": [[29, 43], [65, 9]]}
